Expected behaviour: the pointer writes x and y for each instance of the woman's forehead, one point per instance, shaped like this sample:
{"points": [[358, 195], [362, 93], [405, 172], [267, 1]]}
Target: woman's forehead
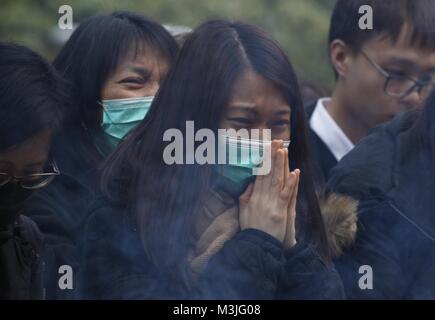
{"points": [[253, 91]]}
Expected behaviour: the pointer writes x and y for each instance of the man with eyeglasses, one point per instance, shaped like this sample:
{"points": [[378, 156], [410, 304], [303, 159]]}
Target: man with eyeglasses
{"points": [[391, 172], [380, 73], [32, 97]]}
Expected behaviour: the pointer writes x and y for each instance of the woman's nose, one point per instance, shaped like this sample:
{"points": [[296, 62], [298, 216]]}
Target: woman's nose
{"points": [[264, 133]]}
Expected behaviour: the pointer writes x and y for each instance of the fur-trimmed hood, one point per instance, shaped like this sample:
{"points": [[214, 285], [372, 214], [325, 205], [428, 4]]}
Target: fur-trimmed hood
{"points": [[340, 217]]}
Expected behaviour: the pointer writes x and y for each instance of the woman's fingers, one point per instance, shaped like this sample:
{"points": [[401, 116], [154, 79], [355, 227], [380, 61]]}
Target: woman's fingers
{"points": [[294, 197], [259, 179], [278, 170], [244, 198], [278, 174], [264, 206], [286, 166], [266, 180], [290, 237], [289, 185]]}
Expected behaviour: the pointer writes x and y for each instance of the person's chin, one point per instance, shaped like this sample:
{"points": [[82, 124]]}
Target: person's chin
{"points": [[391, 116], [385, 118]]}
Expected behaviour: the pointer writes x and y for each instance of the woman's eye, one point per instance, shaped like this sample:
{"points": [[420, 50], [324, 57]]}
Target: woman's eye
{"points": [[280, 123], [133, 80], [243, 121]]}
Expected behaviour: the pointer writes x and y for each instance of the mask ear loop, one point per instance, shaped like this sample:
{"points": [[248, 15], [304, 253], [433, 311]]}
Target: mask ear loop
{"points": [[106, 114]]}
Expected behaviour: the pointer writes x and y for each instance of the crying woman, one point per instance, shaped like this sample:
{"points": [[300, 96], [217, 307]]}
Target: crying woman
{"points": [[209, 231]]}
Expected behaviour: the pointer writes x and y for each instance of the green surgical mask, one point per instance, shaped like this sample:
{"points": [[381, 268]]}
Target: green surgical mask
{"points": [[242, 155], [120, 116]]}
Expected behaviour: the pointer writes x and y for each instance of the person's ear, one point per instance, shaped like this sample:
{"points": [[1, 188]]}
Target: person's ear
{"points": [[340, 55]]}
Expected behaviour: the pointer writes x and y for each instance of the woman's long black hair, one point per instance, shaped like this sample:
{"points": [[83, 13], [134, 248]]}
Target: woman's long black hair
{"points": [[92, 53], [198, 87]]}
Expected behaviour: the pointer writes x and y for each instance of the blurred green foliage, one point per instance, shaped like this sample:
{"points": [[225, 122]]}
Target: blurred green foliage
{"points": [[301, 26]]}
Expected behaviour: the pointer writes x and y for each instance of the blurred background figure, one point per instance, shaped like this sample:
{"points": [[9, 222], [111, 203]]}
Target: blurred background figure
{"points": [[311, 92], [180, 33], [380, 73], [32, 103]]}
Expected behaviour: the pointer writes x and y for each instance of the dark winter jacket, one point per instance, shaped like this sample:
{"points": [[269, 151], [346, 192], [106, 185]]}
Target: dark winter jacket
{"points": [[21, 266], [392, 173], [252, 265], [60, 211]]}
